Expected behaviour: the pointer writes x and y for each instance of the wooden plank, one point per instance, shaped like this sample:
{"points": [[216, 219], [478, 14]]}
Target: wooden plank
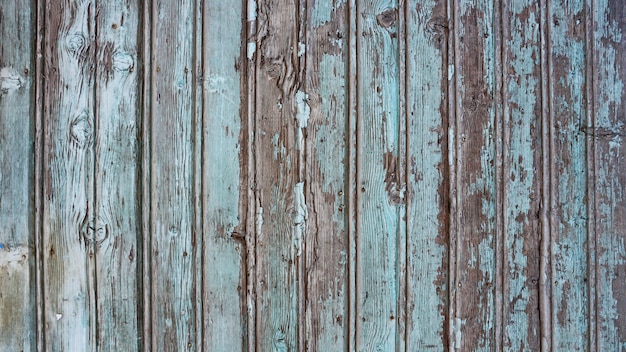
{"points": [[521, 173], [608, 18], [117, 195], [380, 186], [176, 242], [145, 55], [474, 196], [17, 240], [68, 165], [223, 221], [570, 311], [352, 162], [326, 250], [280, 200], [428, 169]]}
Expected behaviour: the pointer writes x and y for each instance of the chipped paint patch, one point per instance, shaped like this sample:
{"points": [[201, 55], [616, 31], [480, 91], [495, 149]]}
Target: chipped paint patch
{"points": [[251, 50], [450, 72], [301, 49], [10, 80], [252, 10], [303, 111], [458, 332], [13, 257], [300, 217], [259, 219]]}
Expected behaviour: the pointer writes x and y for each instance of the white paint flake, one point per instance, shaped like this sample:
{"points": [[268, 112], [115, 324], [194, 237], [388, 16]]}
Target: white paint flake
{"points": [[303, 111], [10, 79], [59, 316], [252, 10], [259, 219], [450, 72], [301, 49], [251, 50], [300, 217]]}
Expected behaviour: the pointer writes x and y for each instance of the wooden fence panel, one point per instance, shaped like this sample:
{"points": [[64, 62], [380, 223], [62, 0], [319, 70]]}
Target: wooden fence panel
{"points": [[428, 70], [69, 234], [570, 313], [606, 50], [117, 201], [18, 280], [175, 240], [282, 112], [474, 209], [379, 182], [325, 53], [389, 175], [224, 201], [521, 175]]}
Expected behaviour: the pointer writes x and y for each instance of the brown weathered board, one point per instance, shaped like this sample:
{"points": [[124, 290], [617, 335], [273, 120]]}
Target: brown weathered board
{"points": [[312, 175]]}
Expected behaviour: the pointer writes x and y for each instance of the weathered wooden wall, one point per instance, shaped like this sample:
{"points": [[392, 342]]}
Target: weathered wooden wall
{"points": [[312, 175]]}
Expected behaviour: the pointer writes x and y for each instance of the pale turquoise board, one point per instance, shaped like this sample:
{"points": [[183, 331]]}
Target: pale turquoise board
{"points": [[18, 285]]}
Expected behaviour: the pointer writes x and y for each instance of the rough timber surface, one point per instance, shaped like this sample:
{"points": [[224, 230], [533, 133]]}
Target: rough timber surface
{"points": [[312, 175], [18, 283]]}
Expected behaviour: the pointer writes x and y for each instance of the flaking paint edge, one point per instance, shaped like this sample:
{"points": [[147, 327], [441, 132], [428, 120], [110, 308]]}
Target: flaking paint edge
{"points": [[303, 111], [301, 215]]}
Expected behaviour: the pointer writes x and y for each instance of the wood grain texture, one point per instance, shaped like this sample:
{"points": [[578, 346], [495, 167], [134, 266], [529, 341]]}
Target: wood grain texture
{"points": [[570, 294], [176, 242], [381, 190], [390, 175], [18, 283], [117, 201], [475, 180], [68, 236], [521, 167], [224, 219], [609, 104], [427, 175], [280, 200], [325, 51]]}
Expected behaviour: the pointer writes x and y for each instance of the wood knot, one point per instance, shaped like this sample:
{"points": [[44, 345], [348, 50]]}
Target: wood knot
{"points": [[123, 62], [81, 129], [274, 68], [387, 18], [94, 232], [75, 43]]}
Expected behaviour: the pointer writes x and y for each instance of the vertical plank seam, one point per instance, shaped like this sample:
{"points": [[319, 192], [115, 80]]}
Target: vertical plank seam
{"points": [[199, 167], [454, 161], [592, 265], [357, 167], [352, 118], [258, 196], [40, 82], [153, 205], [301, 270], [404, 167], [552, 171], [502, 169], [147, 175], [92, 211], [545, 210], [251, 253]]}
